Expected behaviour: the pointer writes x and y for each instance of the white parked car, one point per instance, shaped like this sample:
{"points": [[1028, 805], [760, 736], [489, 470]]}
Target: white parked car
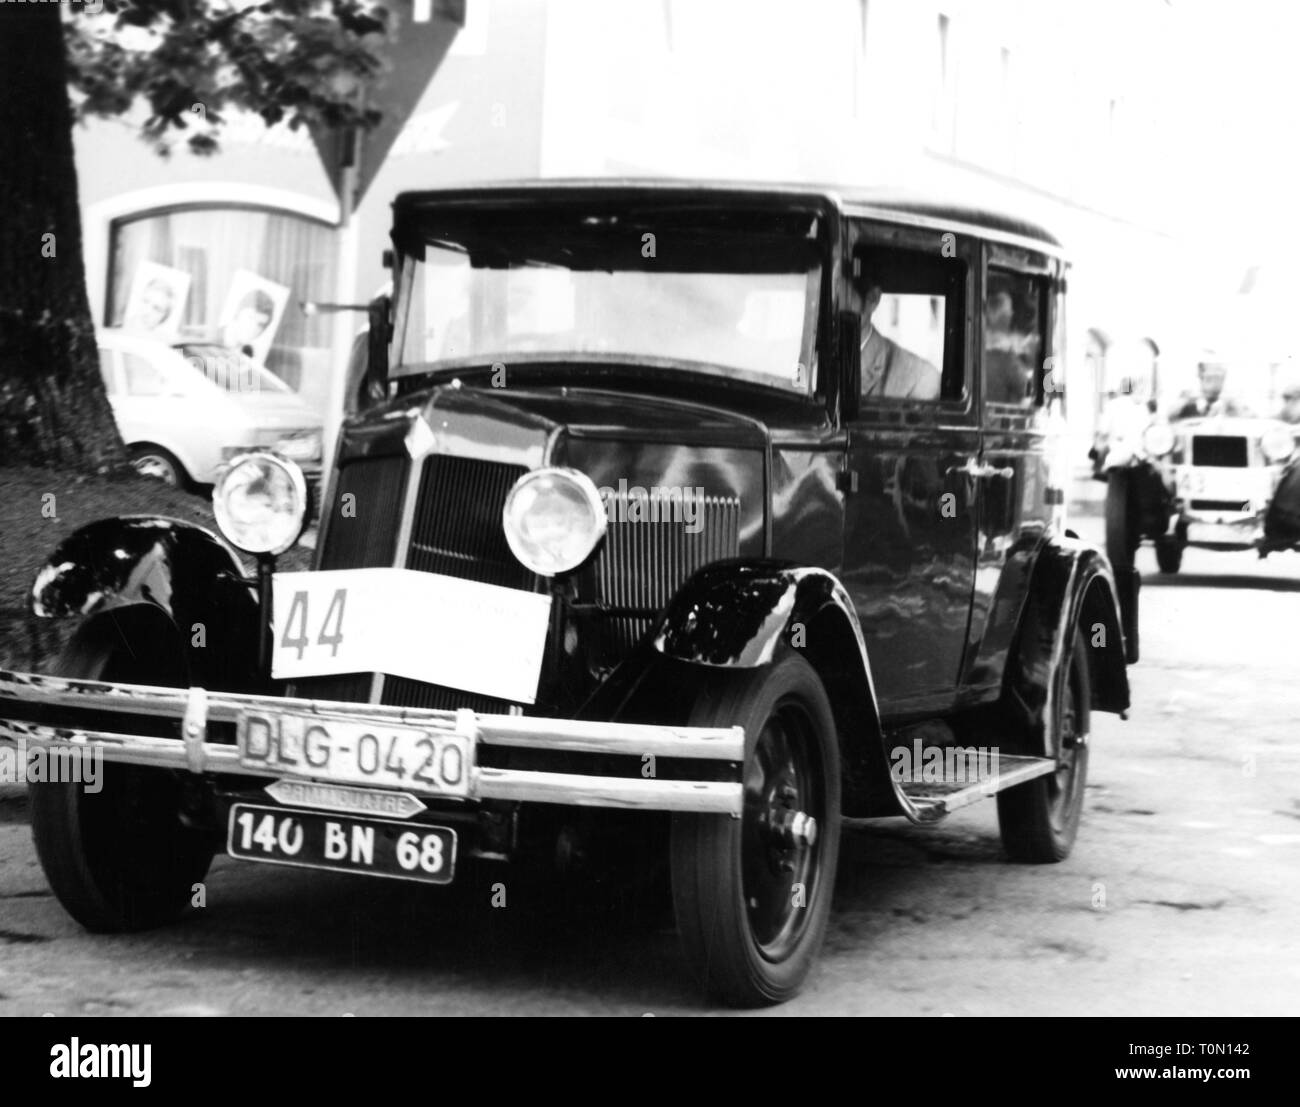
{"points": [[183, 412]]}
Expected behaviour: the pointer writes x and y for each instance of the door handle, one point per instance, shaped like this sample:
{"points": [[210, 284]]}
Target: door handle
{"points": [[976, 469]]}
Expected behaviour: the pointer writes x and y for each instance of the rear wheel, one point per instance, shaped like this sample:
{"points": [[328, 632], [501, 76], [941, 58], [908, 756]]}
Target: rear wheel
{"points": [[752, 895], [117, 858], [1040, 819]]}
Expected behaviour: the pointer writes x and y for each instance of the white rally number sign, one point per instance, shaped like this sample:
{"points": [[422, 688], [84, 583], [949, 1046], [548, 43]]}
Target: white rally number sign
{"points": [[458, 633]]}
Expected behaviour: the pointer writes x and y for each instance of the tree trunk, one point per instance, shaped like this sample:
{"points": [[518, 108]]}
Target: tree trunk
{"points": [[53, 409]]}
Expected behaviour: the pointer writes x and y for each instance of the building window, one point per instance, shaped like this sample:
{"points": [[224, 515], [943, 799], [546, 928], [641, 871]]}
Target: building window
{"points": [[945, 94], [1009, 115], [230, 276]]}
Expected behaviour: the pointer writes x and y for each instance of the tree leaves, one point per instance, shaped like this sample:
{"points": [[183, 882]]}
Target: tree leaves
{"points": [[191, 61]]}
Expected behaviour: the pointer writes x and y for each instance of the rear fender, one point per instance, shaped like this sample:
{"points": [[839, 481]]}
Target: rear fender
{"points": [[1072, 587], [158, 567]]}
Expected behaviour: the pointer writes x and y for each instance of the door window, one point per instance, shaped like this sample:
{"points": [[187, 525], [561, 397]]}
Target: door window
{"points": [[911, 307], [144, 378], [1015, 315]]}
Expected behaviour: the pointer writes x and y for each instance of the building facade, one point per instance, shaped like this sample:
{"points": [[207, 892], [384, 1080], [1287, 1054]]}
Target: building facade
{"points": [[1049, 111]]}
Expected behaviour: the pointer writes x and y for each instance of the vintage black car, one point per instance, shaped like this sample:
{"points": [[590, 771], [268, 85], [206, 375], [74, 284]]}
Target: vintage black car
{"points": [[720, 512]]}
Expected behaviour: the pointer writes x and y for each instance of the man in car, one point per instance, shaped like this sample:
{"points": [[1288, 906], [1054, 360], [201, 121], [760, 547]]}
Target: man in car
{"points": [[888, 369], [1212, 376]]}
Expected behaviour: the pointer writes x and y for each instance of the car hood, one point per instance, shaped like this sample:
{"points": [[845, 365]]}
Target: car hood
{"points": [[1229, 425], [274, 409], [530, 426], [622, 441]]}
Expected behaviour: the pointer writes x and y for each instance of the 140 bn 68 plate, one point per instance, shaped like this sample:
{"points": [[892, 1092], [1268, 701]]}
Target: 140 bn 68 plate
{"points": [[311, 840]]}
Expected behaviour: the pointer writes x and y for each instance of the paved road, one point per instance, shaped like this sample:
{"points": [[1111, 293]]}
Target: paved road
{"points": [[1181, 898]]}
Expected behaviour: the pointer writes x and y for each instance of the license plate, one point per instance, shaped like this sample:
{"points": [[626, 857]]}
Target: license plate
{"points": [[327, 747], [311, 840]]}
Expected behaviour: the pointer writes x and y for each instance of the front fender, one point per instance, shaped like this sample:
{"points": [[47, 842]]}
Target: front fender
{"points": [[169, 566], [735, 614]]}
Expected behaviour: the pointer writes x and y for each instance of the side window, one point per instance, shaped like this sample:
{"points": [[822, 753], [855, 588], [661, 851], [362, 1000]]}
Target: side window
{"points": [[912, 308], [108, 369], [143, 378], [1015, 315]]}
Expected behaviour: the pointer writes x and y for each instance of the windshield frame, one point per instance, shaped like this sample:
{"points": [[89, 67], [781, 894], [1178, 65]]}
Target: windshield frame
{"points": [[416, 232]]}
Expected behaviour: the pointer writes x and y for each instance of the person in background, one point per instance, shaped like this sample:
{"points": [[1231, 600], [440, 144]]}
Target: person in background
{"points": [[1290, 412], [1212, 376]]}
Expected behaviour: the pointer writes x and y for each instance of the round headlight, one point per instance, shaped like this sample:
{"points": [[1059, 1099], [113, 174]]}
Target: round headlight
{"points": [[260, 501], [1158, 439], [1277, 443], [553, 520]]}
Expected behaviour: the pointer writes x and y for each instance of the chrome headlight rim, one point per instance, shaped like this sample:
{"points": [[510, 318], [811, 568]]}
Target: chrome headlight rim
{"points": [[1158, 439], [230, 528], [590, 498], [1284, 440]]}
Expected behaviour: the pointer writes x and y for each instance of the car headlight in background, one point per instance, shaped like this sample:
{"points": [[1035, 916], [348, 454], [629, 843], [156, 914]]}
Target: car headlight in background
{"points": [[300, 445], [260, 502], [553, 519], [1158, 439], [1277, 443]]}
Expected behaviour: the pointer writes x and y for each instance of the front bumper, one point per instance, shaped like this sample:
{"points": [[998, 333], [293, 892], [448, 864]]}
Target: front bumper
{"points": [[180, 725], [1219, 530]]}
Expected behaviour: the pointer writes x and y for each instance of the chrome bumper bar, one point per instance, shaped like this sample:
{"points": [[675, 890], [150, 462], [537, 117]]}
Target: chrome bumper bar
{"points": [[31, 705]]}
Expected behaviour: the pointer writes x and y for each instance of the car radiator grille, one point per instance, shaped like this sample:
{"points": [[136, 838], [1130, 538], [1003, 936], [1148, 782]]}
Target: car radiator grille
{"points": [[642, 564], [1220, 505], [455, 530], [1222, 451]]}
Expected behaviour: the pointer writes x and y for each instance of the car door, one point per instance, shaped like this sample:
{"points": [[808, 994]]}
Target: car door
{"points": [[909, 545], [1016, 491]]}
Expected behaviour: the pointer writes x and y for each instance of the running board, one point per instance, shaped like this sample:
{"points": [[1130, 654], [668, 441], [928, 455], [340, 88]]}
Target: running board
{"points": [[933, 799]]}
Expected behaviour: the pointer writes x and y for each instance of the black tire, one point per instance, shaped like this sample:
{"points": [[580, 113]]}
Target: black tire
{"points": [[1169, 554], [1039, 820], [118, 859], [748, 933], [1122, 533], [153, 461]]}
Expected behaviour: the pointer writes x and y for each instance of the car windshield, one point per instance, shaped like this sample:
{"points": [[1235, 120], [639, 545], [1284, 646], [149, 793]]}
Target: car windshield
{"points": [[723, 292], [230, 370]]}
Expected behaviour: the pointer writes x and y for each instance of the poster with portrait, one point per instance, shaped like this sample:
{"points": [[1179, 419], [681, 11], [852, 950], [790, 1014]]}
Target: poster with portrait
{"points": [[252, 312], [156, 303]]}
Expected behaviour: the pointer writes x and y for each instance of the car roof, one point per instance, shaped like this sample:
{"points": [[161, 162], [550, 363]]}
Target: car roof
{"points": [[919, 209]]}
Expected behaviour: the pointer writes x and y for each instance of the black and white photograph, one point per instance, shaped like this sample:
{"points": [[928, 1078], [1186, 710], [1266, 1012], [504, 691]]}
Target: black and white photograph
{"points": [[651, 508]]}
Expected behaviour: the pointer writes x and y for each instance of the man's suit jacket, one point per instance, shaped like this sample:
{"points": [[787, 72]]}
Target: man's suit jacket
{"points": [[1193, 407], [890, 370]]}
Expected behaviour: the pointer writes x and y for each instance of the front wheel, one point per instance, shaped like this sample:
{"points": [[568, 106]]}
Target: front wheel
{"points": [[1039, 820], [114, 849], [752, 895]]}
